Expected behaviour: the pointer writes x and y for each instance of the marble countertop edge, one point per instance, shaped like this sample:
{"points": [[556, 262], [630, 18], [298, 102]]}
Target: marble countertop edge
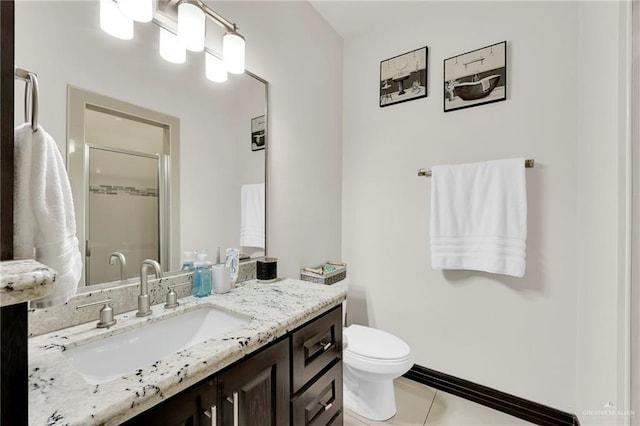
{"points": [[23, 280]]}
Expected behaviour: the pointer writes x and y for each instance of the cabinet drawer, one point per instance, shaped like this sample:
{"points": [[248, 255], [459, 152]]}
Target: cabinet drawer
{"points": [[321, 403], [315, 346]]}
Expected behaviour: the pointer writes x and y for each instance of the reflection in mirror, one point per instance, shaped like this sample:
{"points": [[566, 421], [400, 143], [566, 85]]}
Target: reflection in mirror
{"points": [[201, 169], [121, 158], [123, 212]]}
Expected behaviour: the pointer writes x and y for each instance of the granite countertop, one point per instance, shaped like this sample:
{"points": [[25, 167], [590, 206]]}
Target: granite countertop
{"points": [[24, 280], [59, 395]]}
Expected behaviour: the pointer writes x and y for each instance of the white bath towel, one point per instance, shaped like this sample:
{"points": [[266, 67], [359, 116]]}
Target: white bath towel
{"points": [[44, 220], [252, 215], [479, 217]]}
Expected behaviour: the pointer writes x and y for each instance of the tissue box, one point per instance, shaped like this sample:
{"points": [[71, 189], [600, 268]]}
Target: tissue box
{"points": [[328, 273]]}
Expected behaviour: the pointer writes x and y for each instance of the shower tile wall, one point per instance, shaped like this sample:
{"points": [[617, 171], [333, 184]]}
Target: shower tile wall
{"points": [[135, 235]]}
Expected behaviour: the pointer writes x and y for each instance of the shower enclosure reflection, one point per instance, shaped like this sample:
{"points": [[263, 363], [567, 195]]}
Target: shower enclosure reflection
{"points": [[119, 156], [123, 212]]}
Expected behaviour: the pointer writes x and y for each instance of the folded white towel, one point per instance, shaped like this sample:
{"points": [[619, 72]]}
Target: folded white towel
{"points": [[44, 220], [479, 217], [252, 215]]}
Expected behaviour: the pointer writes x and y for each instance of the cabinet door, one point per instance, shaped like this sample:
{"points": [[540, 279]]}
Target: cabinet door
{"points": [[193, 407], [256, 391]]}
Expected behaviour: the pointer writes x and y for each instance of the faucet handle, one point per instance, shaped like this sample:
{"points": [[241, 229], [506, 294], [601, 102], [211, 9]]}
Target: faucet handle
{"points": [[106, 313], [172, 296]]}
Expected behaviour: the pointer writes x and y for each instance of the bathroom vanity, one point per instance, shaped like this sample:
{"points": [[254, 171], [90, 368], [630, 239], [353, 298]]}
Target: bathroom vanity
{"points": [[257, 389], [281, 363]]}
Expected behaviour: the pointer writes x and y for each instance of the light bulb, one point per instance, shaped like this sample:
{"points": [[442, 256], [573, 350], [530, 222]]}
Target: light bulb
{"points": [[233, 52], [113, 22], [138, 10], [170, 49], [191, 22], [214, 68]]}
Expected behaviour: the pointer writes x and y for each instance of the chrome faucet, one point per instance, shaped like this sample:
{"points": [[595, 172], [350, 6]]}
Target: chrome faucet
{"points": [[144, 305], [118, 256]]}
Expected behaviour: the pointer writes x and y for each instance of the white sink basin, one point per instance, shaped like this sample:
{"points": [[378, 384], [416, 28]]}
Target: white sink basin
{"points": [[109, 358]]}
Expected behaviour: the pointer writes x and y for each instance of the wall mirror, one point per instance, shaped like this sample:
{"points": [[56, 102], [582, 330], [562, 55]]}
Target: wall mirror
{"points": [[159, 157]]}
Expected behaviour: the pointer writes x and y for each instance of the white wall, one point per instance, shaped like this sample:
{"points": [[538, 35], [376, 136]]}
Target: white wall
{"points": [[292, 47], [518, 335]]}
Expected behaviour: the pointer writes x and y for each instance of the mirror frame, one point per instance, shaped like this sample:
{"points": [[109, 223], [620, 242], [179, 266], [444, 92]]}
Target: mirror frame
{"points": [[267, 136], [78, 100]]}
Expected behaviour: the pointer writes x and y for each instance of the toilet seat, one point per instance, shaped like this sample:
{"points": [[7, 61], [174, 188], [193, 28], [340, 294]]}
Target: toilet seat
{"points": [[375, 344], [376, 351]]}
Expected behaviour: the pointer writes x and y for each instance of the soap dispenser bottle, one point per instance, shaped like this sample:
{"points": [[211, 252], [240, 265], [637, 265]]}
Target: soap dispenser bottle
{"points": [[187, 261], [201, 277]]}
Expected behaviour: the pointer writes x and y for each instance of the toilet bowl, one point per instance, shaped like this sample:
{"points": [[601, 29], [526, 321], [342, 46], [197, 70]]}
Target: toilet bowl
{"points": [[371, 360]]}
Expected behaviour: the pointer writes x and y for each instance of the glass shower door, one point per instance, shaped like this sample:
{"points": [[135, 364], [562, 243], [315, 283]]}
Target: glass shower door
{"points": [[123, 212]]}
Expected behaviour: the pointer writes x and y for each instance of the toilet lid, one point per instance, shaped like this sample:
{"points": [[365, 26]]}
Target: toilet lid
{"points": [[374, 343]]}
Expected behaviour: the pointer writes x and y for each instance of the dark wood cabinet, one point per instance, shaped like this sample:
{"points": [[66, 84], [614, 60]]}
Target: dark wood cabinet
{"points": [[295, 381], [256, 392], [194, 407], [316, 363]]}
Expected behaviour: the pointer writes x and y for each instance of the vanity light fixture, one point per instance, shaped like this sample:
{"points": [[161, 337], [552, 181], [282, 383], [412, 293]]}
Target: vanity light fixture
{"points": [[113, 22], [138, 10], [191, 24], [116, 19], [170, 48], [233, 52], [214, 68]]}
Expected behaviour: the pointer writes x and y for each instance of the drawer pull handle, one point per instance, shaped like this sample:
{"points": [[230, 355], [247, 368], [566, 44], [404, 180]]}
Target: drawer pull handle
{"points": [[212, 415], [236, 408], [326, 406], [325, 346]]}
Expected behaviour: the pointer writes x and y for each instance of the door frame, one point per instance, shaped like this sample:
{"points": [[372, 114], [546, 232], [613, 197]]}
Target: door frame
{"points": [[634, 164]]}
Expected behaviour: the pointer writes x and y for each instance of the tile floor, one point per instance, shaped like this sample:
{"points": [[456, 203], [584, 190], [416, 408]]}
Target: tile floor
{"points": [[421, 405]]}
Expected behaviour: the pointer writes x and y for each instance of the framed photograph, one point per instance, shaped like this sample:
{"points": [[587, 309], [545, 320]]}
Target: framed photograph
{"points": [[404, 77], [258, 133], [475, 78]]}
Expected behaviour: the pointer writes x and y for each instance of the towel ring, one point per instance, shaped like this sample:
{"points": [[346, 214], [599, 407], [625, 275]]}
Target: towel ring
{"points": [[31, 90]]}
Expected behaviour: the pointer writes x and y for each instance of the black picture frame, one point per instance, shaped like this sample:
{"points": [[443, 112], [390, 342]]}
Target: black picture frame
{"points": [[475, 78], [404, 77], [258, 133]]}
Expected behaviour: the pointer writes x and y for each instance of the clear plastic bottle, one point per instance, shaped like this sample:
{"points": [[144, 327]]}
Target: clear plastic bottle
{"points": [[233, 262], [187, 261], [201, 286]]}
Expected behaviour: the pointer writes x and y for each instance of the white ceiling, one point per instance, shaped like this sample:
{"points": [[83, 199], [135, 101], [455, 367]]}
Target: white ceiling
{"points": [[355, 17]]}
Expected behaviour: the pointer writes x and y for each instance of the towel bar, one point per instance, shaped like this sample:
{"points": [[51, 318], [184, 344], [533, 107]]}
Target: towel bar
{"points": [[528, 164]]}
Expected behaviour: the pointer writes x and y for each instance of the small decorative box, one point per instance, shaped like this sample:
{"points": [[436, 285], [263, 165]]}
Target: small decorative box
{"points": [[328, 273]]}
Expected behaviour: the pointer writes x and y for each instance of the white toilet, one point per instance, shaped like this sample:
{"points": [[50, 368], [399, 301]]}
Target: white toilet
{"points": [[372, 358]]}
